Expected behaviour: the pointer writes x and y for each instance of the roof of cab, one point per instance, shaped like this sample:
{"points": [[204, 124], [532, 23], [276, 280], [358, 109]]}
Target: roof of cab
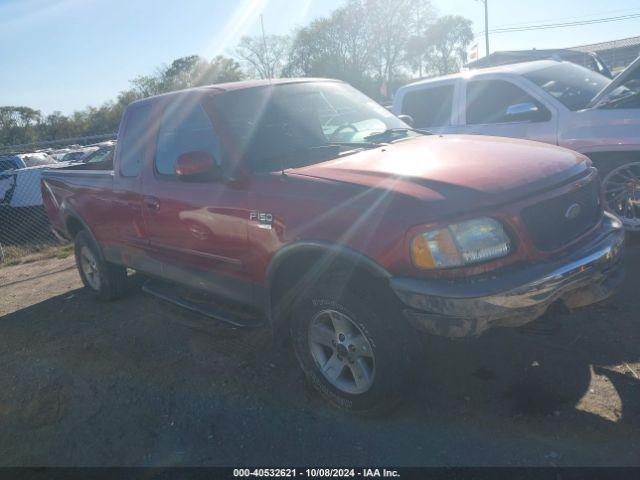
{"points": [[230, 86]]}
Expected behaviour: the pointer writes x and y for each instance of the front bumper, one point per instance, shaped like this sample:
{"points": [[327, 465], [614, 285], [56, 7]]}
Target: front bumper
{"points": [[468, 307]]}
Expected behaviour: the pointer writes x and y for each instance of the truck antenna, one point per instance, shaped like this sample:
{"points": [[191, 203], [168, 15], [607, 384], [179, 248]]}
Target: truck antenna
{"points": [[264, 46], [267, 72]]}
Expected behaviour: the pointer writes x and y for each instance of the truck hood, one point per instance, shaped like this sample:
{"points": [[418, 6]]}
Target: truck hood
{"points": [[465, 171], [604, 94]]}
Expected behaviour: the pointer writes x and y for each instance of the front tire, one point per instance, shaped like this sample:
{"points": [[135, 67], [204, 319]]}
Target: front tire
{"points": [[621, 194], [351, 347], [105, 280]]}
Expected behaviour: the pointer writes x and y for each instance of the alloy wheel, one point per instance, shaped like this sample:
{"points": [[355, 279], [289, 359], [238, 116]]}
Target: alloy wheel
{"points": [[342, 352], [621, 194], [89, 266]]}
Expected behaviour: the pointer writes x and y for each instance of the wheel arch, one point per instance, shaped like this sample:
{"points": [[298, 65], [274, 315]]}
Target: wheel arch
{"points": [[74, 224], [300, 264], [605, 161]]}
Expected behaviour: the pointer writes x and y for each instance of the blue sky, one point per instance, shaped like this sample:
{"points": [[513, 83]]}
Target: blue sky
{"points": [[67, 54]]}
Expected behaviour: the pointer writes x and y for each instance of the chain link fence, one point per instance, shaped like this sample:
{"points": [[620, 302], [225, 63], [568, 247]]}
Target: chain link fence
{"points": [[25, 232]]}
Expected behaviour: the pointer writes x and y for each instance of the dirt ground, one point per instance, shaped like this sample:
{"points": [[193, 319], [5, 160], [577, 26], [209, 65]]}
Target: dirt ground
{"points": [[141, 382]]}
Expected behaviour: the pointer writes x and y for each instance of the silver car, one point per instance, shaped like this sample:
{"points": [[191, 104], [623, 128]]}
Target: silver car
{"points": [[549, 101]]}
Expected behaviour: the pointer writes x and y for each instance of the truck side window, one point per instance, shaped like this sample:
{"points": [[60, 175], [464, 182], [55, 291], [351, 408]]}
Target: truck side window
{"points": [[184, 127], [429, 107], [488, 101], [134, 140]]}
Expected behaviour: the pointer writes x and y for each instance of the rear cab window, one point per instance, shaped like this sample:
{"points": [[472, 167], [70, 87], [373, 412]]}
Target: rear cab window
{"points": [[429, 106], [137, 127]]}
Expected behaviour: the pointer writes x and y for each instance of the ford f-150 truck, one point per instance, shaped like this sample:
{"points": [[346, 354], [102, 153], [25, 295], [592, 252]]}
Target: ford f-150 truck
{"points": [[304, 205]]}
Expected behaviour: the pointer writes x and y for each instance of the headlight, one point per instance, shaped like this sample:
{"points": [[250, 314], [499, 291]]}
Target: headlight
{"points": [[461, 244]]}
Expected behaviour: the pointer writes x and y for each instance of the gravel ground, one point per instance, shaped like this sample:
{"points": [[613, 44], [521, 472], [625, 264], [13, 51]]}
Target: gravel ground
{"points": [[141, 382]]}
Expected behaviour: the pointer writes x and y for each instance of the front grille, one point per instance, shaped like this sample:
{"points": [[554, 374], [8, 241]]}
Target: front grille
{"points": [[549, 224]]}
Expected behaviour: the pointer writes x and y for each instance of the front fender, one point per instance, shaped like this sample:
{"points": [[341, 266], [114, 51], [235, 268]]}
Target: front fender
{"points": [[330, 254]]}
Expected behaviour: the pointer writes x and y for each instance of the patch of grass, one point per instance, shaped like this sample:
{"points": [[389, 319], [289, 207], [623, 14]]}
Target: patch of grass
{"points": [[32, 252], [64, 251]]}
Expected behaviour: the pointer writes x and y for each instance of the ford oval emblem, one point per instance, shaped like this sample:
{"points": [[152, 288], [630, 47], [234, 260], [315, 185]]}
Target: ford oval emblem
{"points": [[573, 211]]}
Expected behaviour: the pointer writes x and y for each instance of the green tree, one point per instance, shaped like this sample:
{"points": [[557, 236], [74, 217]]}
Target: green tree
{"points": [[264, 57], [220, 70], [421, 17], [18, 124], [338, 47], [365, 43], [446, 44], [186, 72], [389, 34]]}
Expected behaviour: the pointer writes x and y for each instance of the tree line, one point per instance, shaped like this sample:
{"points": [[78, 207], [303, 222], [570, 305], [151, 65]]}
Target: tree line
{"points": [[375, 45]]}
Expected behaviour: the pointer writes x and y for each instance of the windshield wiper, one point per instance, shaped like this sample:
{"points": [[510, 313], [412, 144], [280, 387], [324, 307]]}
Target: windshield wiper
{"points": [[390, 131], [622, 98], [353, 144]]}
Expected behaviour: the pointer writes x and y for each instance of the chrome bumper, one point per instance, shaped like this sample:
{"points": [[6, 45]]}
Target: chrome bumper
{"points": [[471, 306]]}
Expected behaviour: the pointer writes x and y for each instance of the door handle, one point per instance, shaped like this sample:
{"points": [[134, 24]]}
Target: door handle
{"points": [[152, 203]]}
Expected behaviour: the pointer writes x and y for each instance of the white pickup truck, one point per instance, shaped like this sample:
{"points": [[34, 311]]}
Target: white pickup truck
{"points": [[548, 101]]}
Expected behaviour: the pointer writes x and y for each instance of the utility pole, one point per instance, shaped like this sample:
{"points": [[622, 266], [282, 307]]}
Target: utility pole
{"points": [[486, 25]]}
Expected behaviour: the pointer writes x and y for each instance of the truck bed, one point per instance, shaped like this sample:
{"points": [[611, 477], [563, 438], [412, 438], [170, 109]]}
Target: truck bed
{"points": [[77, 189]]}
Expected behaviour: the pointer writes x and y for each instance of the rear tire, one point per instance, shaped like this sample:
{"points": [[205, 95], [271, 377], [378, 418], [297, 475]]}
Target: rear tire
{"points": [[105, 280], [352, 347]]}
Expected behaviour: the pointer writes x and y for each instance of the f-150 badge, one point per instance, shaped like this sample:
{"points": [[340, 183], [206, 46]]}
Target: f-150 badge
{"points": [[264, 220]]}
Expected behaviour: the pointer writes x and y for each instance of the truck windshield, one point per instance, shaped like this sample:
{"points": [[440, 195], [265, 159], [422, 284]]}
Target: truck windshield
{"points": [[290, 125], [573, 85]]}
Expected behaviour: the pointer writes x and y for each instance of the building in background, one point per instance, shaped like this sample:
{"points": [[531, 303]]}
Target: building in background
{"points": [[617, 54]]}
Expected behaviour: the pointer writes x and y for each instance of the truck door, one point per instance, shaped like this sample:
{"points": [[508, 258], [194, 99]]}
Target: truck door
{"points": [[197, 229], [499, 107], [124, 236]]}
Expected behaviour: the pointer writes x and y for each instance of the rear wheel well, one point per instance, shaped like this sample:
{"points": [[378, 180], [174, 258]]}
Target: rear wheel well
{"points": [[301, 270], [74, 226]]}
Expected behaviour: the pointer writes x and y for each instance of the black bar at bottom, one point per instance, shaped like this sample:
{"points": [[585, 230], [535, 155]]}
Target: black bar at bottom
{"points": [[426, 473]]}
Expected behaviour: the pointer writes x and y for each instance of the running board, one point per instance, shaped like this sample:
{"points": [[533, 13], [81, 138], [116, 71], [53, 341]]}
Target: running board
{"points": [[171, 293]]}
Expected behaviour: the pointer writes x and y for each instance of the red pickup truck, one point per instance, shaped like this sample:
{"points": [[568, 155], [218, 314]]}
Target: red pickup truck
{"points": [[305, 205]]}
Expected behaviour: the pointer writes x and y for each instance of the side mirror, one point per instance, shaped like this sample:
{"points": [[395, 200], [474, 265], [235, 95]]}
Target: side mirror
{"points": [[408, 119], [197, 166], [523, 111]]}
